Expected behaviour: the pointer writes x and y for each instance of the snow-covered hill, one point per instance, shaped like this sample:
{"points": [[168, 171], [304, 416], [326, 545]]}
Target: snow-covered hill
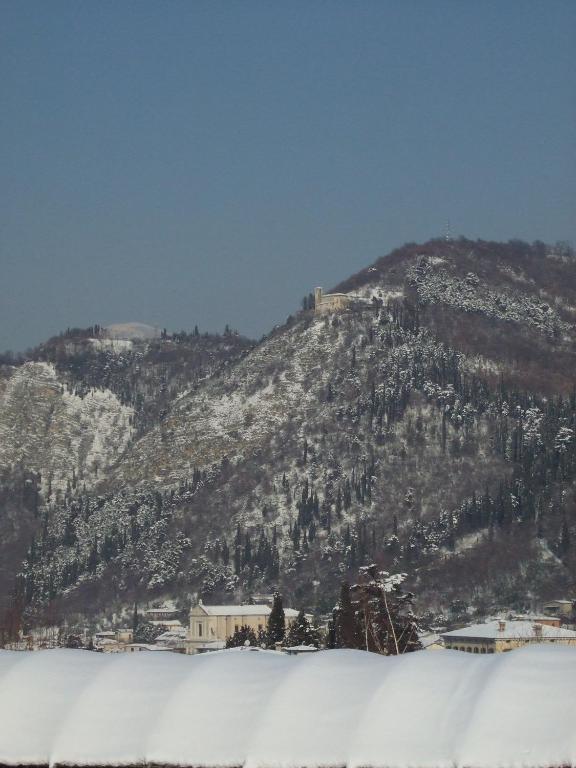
{"points": [[430, 427], [70, 441]]}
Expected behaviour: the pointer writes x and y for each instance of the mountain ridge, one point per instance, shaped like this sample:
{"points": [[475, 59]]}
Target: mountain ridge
{"points": [[419, 427]]}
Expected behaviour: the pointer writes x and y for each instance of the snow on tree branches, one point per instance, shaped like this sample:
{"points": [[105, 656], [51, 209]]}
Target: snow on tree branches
{"points": [[375, 615]]}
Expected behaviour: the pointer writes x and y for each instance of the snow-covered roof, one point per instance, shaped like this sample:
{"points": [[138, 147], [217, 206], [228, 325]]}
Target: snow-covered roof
{"points": [[158, 612], [329, 709], [428, 639], [210, 645], [166, 623], [560, 602], [300, 648], [243, 610], [145, 647], [177, 633], [511, 630]]}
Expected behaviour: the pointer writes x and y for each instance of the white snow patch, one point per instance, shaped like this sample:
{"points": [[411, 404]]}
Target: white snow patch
{"points": [[57, 433], [112, 345], [378, 292]]}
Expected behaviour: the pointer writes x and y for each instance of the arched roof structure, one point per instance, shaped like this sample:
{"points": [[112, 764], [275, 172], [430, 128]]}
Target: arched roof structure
{"points": [[331, 709]]}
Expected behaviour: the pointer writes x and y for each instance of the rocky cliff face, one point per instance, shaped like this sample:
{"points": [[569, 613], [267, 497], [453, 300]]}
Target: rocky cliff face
{"points": [[430, 427], [67, 440]]}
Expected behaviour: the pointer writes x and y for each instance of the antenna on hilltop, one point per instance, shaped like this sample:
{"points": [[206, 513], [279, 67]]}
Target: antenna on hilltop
{"points": [[448, 232]]}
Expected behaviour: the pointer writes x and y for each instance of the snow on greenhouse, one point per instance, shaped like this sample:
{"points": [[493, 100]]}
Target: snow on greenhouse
{"points": [[269, 710]]}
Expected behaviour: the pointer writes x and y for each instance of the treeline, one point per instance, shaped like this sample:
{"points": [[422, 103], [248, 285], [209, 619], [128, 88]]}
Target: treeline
{"points": [[392, 358], [79, 537]]}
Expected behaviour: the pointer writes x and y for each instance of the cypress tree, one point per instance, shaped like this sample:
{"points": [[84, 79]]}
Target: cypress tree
{"points": [[276, 621], [345, 624]]}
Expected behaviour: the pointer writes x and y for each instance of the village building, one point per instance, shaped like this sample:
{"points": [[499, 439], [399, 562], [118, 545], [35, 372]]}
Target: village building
{"points": [[107, 641], [550, 621], [125, 635], [500, 636], [173, 640], [212, 625], [329, 302], [165, 615], [430, 641], [138, 647], [113, 640], [562, 608]]}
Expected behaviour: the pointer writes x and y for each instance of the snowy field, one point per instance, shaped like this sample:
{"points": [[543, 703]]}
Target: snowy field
{"points": [[264, 709]]}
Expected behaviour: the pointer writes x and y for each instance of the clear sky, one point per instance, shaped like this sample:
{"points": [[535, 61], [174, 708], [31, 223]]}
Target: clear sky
{"points": [[180, 162]]}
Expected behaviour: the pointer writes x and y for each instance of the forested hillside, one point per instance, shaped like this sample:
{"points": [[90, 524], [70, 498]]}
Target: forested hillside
{"points": [[430, 427]]}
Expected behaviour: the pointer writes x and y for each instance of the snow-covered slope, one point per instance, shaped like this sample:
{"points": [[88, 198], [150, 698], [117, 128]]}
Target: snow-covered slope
{"points": [[257, 709], [69, 440], [236, 416], [419, 428]]}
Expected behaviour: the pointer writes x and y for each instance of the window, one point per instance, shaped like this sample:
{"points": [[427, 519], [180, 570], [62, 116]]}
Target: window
{"points": [[235, 627], [475, 650], [200, 630], [259, 627]]}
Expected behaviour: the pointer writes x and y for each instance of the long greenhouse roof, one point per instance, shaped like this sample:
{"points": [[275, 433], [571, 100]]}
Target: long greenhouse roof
{"points": [[267, 710]]}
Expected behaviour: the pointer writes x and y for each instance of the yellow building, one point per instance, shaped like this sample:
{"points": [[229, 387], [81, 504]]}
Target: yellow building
{"points": [[561, 608], [500, 636], [329, 302], [212, 625]]}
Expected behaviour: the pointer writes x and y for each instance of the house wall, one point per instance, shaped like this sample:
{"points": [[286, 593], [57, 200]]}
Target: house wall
{"points": [[558, 608], [489, 645], [205, 628], [329, 302]]}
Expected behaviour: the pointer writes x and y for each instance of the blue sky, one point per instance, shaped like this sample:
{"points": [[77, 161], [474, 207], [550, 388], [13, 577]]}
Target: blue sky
{"points": [[181, 162]]}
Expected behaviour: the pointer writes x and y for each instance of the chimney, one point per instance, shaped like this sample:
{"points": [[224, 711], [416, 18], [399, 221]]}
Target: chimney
{"points": [[538, 631], [501, 625]]}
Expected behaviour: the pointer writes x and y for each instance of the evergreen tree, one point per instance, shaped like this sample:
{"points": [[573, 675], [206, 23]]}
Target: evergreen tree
{"points": [[564, 544], [384, 613], [146, 632], [331, 633], [244, 635], [345, 624], [302, 632], [276, 621]]}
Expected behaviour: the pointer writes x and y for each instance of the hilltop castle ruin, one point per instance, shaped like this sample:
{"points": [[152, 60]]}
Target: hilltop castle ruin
{"points": [[329, 302]]}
